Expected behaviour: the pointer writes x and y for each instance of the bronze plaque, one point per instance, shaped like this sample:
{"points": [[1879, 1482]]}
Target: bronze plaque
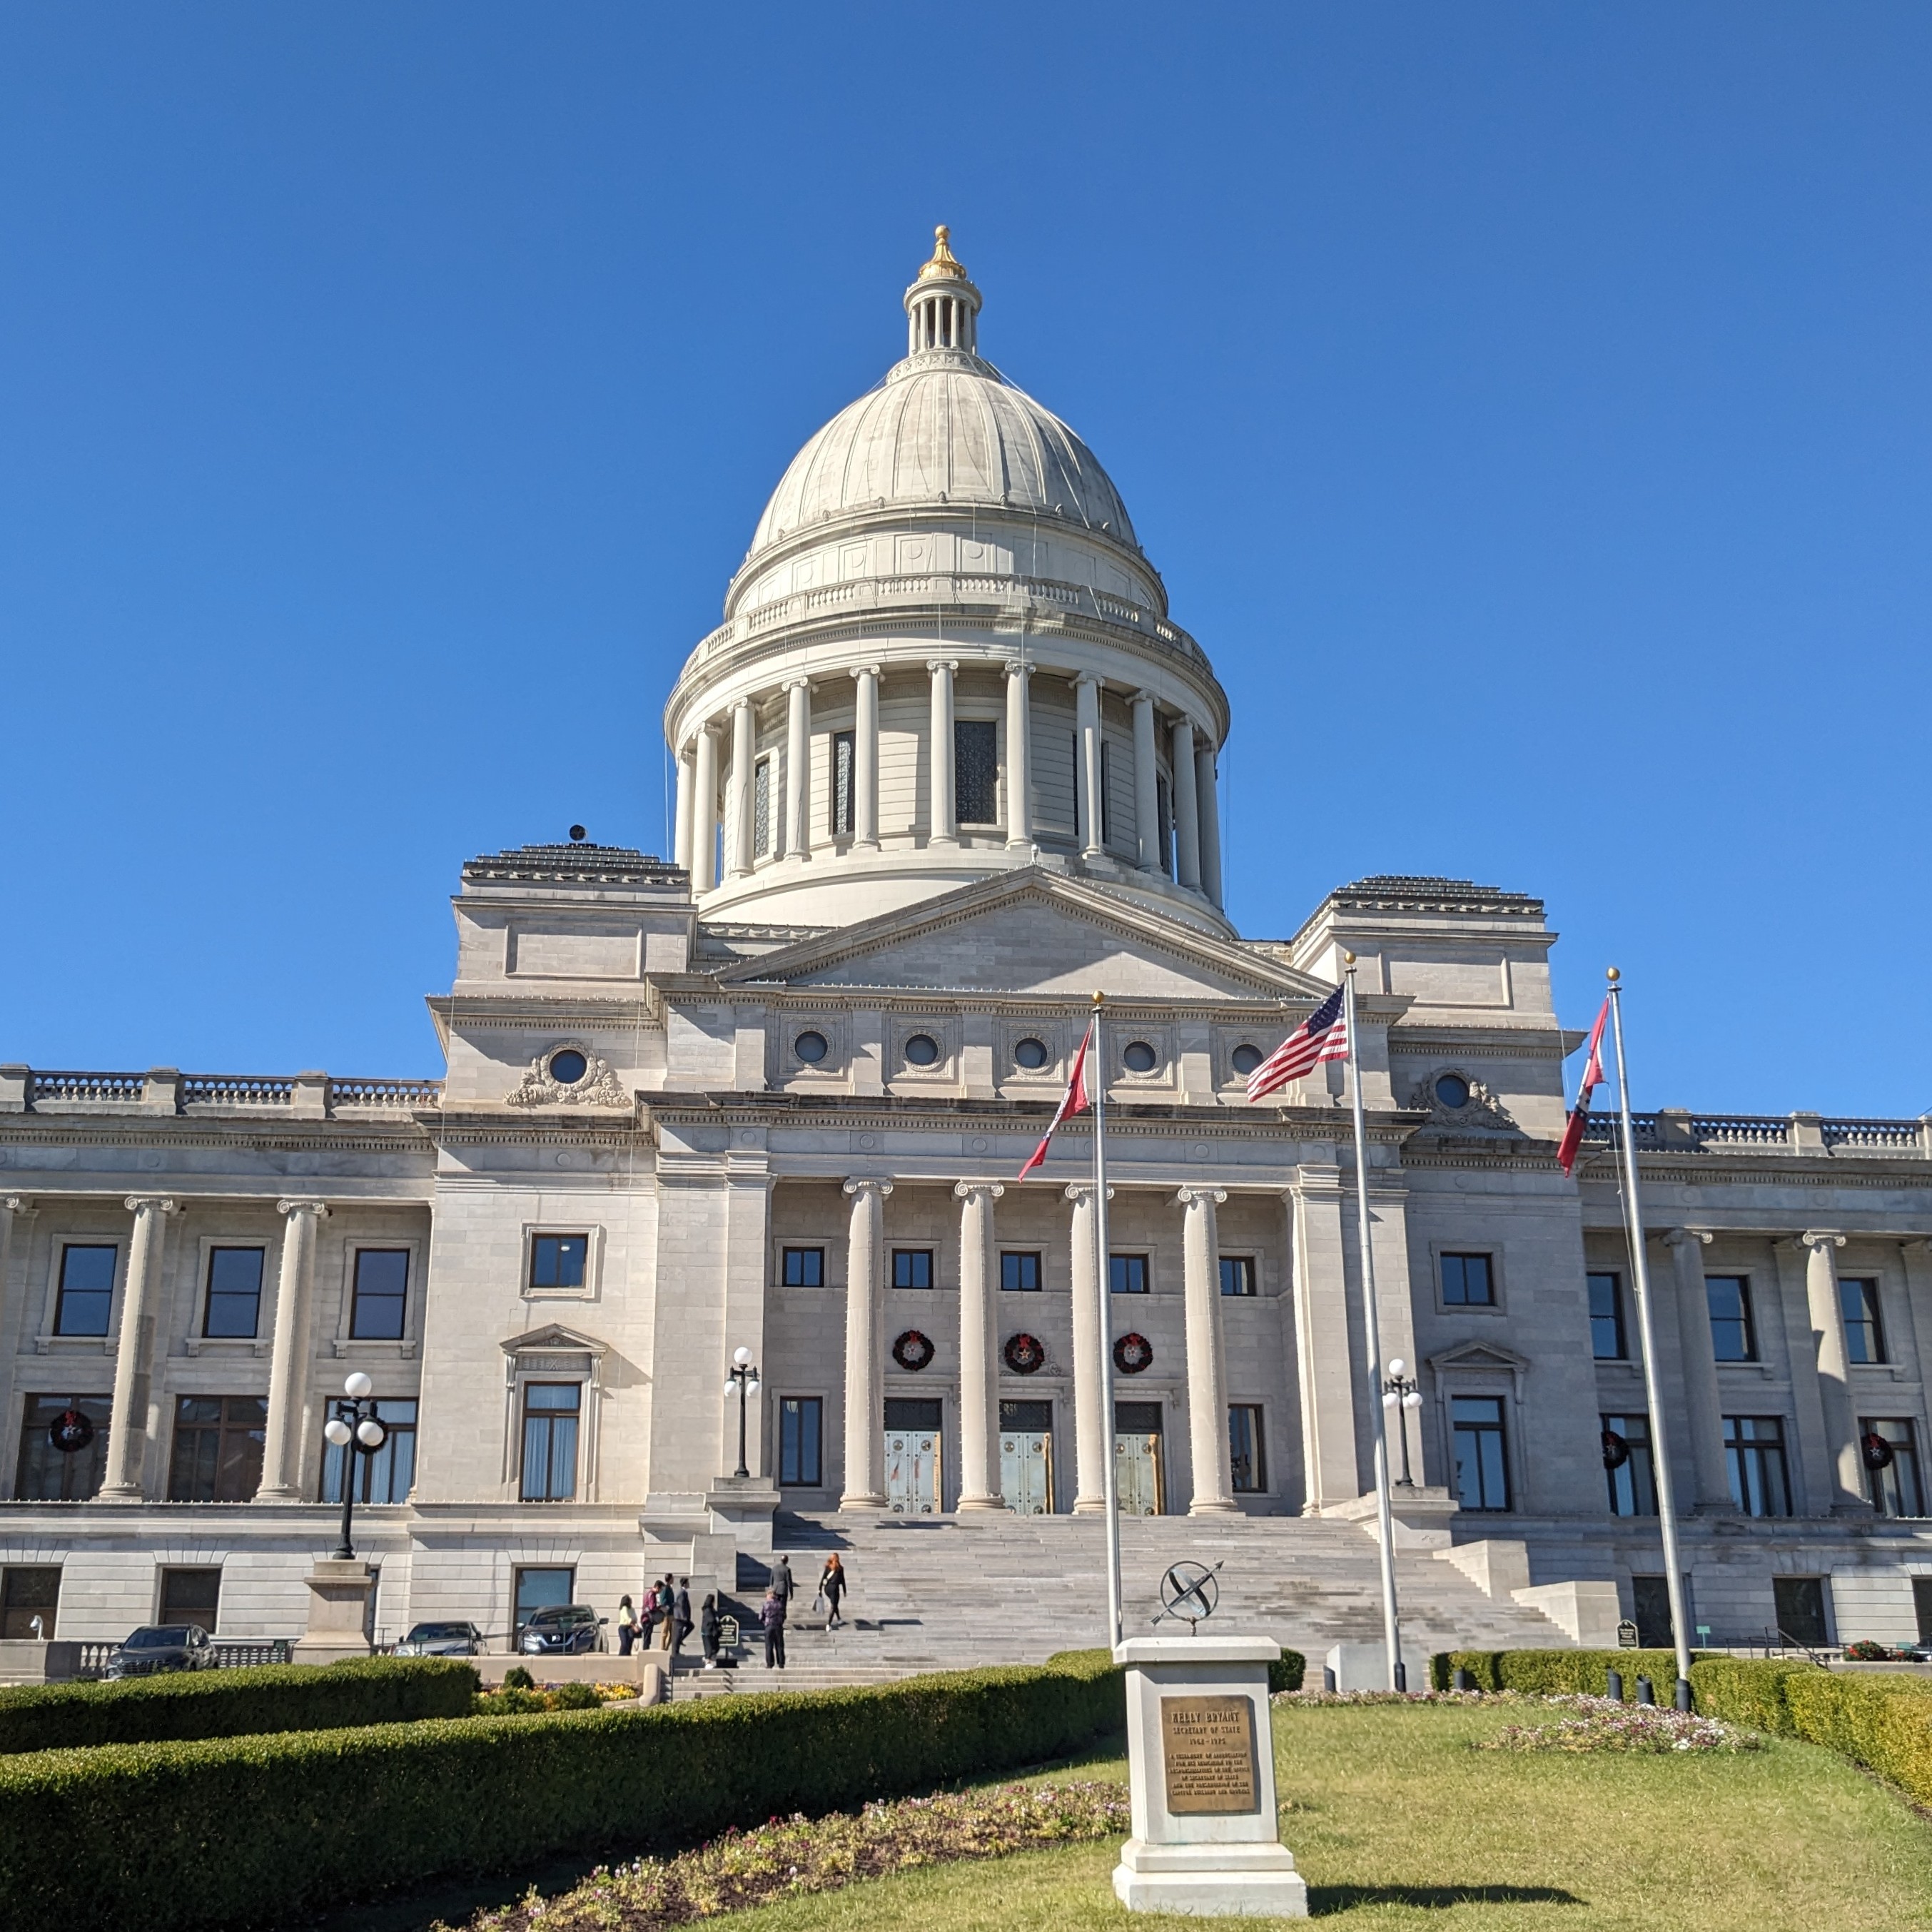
{"points": [[1207, 1754]]}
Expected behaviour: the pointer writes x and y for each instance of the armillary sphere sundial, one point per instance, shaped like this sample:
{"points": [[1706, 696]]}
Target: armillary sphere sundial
{"points": [[1189, 1592]]}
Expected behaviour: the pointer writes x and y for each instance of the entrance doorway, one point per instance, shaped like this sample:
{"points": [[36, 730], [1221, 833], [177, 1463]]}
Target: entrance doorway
{"points": [[1139, 1483], [912, 1455], [1026, 1457]]}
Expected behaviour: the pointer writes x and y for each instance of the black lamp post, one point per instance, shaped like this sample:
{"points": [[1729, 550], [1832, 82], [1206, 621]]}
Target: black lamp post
{"points": [[355, 1428], [742, 1378], [1402, 1394]]}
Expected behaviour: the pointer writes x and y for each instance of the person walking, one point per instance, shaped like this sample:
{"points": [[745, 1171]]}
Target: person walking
{"points": [[667, 1601], [773, 1619], [832, 1586], [627, 1626], [782, 1581], [680, 1612], [708, 1621]]}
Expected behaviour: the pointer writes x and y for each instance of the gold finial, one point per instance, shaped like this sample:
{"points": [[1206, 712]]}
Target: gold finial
{"points": [[944, 266]]}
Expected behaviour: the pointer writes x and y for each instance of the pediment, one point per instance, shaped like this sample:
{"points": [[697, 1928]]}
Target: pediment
{"points": [[1491, 1355], [553, 1338], [1032, 932]]}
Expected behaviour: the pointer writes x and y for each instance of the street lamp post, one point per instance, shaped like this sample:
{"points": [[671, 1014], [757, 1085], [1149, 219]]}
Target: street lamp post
{"points": [[1401, 1393], [742, 1379], [355, 1428]]}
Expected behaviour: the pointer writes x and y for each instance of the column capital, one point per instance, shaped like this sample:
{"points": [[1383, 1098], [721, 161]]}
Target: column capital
{"points": [[1092, 677], [866, 670], [1819, 1240], [1677, 1237], [966, 1190], [319, 1209], [1144, 696], [1020, 668], [860, 1183], [798, 684], [18, 1205], [153, 1204], [1080, 1192], [942, 664], [1200, 1197]]}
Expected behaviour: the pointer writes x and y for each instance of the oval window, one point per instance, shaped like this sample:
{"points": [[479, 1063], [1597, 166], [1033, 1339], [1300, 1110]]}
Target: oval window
{"points": [[810, 1047], [1453, 1090], [1245, 1059], [568, 1067], [1031, 1054], [1139, 1057], [922, 1050]]}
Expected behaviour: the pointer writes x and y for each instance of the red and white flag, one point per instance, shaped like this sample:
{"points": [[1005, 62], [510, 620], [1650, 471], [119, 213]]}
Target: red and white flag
{"points": [[1593, 1078], [1323, 1036], [1076, 1100]]}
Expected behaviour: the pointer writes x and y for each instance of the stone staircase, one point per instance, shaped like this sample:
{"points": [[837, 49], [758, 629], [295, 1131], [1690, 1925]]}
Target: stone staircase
{"points": [[946, 1593]]}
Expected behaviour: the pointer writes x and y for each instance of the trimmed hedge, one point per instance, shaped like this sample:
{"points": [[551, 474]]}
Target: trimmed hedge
{"points": [[171, 1837], [235, 1703], [1546, 1673], [1287, 1672]]}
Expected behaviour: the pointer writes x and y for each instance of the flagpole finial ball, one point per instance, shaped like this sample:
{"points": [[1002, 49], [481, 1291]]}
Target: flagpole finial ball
{"points": [[1613, 976], [1348, 959], [1099, 999]]}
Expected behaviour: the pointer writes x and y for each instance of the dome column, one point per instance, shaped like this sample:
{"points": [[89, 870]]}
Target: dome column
{"points": [[1186, 818], [1208, 803], [798, 769], [704, 819], [1019, 758], [1086, 717], [865, 761], [944, 818], [744, 756], [1207, 1369], [681, 843], [865, 1338], [1147, 800], [979, 1344]]}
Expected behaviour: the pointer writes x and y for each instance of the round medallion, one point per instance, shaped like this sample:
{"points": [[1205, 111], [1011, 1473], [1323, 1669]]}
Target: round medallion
{"points": [[1616, 1450], [922, 1050], [1139, 1057], [1025, 1354], [912, 1350], [1452, 1091], [70, 1432], [810, 1047], [1132, 1353], [1877, 1451], [1245, 1059], [1031, 1054], [568, 1067]]}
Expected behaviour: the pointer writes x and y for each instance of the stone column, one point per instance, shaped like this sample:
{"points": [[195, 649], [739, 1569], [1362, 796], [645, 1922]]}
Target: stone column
{"points": [[294, 1347], [1147, 780], [1019, 757], [979, 1377], [738, 817], [681, 841], [1703, 1406], [798, 769], [1087, 714], [1835, 1371], [866, 761], [1324, 1362], [1206, 1371], [1187, 819], [1208, 802], [865, 1342], [127, 1429], [1092, 1432], [942, 824], [704, 819], [14, 1207]]}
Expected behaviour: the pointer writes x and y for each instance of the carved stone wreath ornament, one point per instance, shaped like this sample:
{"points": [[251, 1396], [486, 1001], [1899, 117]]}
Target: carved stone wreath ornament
{"points": [[598, 1088], [1481, 1113]]}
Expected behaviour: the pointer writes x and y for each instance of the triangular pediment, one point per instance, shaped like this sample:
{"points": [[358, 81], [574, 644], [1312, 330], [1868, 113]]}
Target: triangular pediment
{"points": [[1480, 1355], [553, 1338], [1032, 932]]}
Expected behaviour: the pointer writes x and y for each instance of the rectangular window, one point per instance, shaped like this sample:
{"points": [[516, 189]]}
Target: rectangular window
{"points": [[1733, 1335], [558, 1260], [1864, 1329], [1895, 1489], [47, 1474], [86, 1290], [542, 1590], [1245, 1456], [912, 1268], [1650, 1599], [1127, 1274], [761, 809], [804, 1267], [390, 1473], [1237, 1274], [218, 1448], [1482, 1465], [382, 1290], [1607, 1341], [1019, 1273], [550, 1414], [1754, 1448], [190, 1597], [975, 771], [842, 783], [1633, 1487], [26, 1594], [1466, 1282], [801, 1438], [1800, 1602], [234, 1293]]}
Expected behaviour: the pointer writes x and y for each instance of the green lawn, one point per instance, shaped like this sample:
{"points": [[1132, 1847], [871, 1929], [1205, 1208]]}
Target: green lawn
{"points": [[1396, 1821]]}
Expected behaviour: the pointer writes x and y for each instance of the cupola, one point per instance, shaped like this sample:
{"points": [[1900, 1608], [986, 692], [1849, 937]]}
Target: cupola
{"points": [[942, 307]]}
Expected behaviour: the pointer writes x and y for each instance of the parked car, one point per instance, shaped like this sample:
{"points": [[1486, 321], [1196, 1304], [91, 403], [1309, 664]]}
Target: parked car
{"points": [[564, 1629], [441, 1640], [155, 1647]]}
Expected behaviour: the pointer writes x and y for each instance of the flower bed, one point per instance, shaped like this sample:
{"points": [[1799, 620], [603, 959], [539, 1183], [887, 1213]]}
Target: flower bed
{"points": [[797, 1854], [1604, 1724]]}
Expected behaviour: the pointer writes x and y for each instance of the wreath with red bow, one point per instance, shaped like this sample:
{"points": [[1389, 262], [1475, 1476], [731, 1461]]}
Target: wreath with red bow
{"points": [[70, 1431], [1877, 1452], [1025, 1354], [1132, 1353], [912, 1350]]}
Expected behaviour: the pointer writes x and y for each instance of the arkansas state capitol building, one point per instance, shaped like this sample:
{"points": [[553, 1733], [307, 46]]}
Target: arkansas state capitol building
{"points": [[947, 766]]}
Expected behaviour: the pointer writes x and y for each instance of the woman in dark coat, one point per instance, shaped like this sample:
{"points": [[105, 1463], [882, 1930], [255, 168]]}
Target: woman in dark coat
{"points": [[832, 1586], [707, 1631]]}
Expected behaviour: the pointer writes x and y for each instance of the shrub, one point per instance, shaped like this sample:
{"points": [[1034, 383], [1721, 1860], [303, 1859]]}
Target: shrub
{"points": [[235, 1703], [1287, 1672], [173, 1836], [1550, 1673], [517, 1678], [1865, 1652]]}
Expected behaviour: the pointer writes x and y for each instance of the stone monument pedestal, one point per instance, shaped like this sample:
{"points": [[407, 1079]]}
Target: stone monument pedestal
{"points": [[1201, 1754], [338, 1611]]}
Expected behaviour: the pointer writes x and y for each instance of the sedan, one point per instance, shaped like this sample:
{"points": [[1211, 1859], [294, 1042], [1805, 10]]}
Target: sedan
{"points": [[158, 1647], [441, 1640], [565, 1630]]}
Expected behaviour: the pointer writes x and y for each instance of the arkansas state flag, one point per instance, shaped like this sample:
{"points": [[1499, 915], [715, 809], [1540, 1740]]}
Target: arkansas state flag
{"points": [[1076, 1100], [1593, 1078]]}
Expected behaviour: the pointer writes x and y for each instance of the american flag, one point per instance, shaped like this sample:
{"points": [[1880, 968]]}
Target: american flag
{"points": [[1323, 1036]]}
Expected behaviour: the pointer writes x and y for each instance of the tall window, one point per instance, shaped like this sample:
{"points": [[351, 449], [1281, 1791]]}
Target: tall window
{"points": [[387, 1476], [550, 1413], [1733, 1334], [1864, 1328], [1019, 1272], [1632, 1483], [382, 1290], [1245, 1453], [1106, 791], [804, 1268], [912, 1268], [1895, 1487], [26, 1594], [557, 1261], [1754, 1448], [1163, 819], [1607, 1341], [234, 1292], [975, 771], [1237, 1274], [1799, 1602], [842, 782], [48, 1475], [761, 809], [1482, 1463], [218, 1448], [86, 1290], [801, 1439], [191, 1597], [1127, 1274], [1467, 1282]]}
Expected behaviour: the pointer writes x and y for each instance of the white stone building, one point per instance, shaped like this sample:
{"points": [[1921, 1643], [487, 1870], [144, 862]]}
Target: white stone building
{"points": [[946, 769]]}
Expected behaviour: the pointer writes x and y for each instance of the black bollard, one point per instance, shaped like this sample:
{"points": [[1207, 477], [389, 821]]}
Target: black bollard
{"points": [[1615, 1692], [1645, 1693], [1327, 1679], [1683, 1699], [1401, 1674], [1464, 1681]]}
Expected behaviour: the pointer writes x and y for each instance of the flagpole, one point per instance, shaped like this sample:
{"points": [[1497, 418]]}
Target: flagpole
{"points": [[1660, 1452], [1103, 1268], [1372, 1343]]}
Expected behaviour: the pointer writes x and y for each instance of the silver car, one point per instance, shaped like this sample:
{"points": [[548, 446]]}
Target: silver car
{"points": [[441, 1640]]}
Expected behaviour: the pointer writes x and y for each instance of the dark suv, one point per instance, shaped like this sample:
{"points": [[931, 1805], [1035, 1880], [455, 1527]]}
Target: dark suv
{"points": [[155, 1647], [564, 1629]]}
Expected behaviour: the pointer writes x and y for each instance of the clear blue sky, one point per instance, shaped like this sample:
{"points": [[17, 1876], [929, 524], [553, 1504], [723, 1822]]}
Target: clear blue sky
{"points": [[1527, 406]]}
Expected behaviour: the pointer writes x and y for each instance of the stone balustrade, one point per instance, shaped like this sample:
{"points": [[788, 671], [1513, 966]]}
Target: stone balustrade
{"points": [[25, 1090]]}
